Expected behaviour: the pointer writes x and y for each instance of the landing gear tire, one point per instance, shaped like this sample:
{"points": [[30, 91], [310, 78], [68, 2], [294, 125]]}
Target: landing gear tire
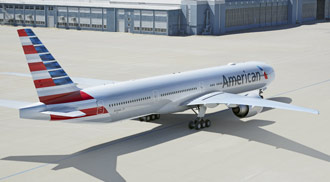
{"points": [[207, 123], [191, 125], [198, 125], [149, 117], [203, 124]]}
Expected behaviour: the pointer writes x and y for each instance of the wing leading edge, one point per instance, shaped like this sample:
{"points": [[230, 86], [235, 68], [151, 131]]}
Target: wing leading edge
{"points": [[227, 98]]}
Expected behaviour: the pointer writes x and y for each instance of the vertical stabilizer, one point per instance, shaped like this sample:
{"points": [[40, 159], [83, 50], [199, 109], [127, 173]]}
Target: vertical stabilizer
{"points": [[51, 81]]}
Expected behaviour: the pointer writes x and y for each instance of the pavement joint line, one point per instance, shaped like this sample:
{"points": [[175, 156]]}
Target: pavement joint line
{"points": [[300, 88], [24, 171], [100, 146]]}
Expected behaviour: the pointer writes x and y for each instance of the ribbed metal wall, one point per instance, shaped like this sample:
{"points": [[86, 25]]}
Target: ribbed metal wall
{"points": [[86, 18], [256, 13], [194, 17], [309, 9]]}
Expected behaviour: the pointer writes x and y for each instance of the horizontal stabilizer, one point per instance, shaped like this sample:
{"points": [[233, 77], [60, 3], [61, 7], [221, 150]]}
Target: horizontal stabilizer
{"points": [[13, 104], [65, 114]]}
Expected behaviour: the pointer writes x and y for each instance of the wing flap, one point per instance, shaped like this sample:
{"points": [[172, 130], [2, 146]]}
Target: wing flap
{"points": [[227, 98]]}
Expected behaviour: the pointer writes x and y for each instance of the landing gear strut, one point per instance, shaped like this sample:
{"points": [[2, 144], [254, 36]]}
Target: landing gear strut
{"points": [[200, 122]]}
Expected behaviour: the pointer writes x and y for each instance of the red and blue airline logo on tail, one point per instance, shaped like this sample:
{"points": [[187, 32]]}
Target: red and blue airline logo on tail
{"points": [[265, 74], [53, 85]]}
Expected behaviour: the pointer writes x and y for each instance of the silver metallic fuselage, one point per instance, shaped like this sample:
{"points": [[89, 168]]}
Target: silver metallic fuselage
{"points": [[169, 93]]}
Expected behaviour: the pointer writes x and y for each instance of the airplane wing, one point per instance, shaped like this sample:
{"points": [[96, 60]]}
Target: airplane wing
{"points": [[227, 98], [65, 114]]}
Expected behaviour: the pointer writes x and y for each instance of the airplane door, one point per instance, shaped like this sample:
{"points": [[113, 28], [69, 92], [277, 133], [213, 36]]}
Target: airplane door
{"points": [[156, 95], [201, 86], [100, 107]]}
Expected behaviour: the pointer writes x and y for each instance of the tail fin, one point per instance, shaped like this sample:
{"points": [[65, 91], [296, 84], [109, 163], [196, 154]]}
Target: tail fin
{"points": [[49, 78]]}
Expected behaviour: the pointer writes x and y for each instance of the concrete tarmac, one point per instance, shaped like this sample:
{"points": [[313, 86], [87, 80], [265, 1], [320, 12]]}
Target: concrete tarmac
{"points": [[275, 145]]}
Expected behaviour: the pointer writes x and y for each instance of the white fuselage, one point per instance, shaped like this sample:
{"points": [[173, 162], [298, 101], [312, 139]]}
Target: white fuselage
{"points": [[61, 99], [169, 93]]}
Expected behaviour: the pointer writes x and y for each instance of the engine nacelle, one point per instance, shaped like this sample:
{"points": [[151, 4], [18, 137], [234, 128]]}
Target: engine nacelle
{"points": [[244, 111]]}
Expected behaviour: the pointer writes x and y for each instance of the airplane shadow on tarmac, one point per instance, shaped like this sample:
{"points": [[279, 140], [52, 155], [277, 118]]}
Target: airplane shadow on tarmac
{"points": [[100, 161]]}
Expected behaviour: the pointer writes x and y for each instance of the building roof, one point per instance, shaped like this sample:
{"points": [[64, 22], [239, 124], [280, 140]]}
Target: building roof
{"points": [[127, 4]]}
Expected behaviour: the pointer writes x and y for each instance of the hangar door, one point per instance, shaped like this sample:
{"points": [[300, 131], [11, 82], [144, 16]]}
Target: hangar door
{"points": [[309, 8], [320, 9], [253, 14]]}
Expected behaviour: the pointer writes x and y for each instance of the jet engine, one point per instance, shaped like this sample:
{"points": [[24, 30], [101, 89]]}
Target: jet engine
{"points": [[244, 111]]}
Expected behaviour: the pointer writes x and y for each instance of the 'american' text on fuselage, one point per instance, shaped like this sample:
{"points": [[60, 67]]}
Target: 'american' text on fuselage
{"points": [[240, 79]]}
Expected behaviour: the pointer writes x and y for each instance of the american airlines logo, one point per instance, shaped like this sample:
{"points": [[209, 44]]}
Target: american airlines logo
{"points": [[265, 74], [243, 78]]}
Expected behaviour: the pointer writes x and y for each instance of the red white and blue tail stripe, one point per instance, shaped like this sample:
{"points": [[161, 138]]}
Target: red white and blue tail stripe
{"points": [[51, 81], [54, 86]]}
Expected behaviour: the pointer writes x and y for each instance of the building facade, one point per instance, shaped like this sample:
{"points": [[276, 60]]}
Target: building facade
{"points": [[187, 17]]}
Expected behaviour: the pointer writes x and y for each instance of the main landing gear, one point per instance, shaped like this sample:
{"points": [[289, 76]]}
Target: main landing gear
{"points": [[260, 93], [150, 117], [199, 122]]}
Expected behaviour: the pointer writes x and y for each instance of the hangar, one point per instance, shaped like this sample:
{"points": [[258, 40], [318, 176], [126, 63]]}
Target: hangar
{"points": [[163, 17]]}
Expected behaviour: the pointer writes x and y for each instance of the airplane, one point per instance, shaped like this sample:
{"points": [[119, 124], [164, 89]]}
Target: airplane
{"points": [[238, 86]]}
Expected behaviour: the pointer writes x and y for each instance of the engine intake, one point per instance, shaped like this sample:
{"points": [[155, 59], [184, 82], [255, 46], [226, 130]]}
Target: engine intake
{"points": [[244, 111]]}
